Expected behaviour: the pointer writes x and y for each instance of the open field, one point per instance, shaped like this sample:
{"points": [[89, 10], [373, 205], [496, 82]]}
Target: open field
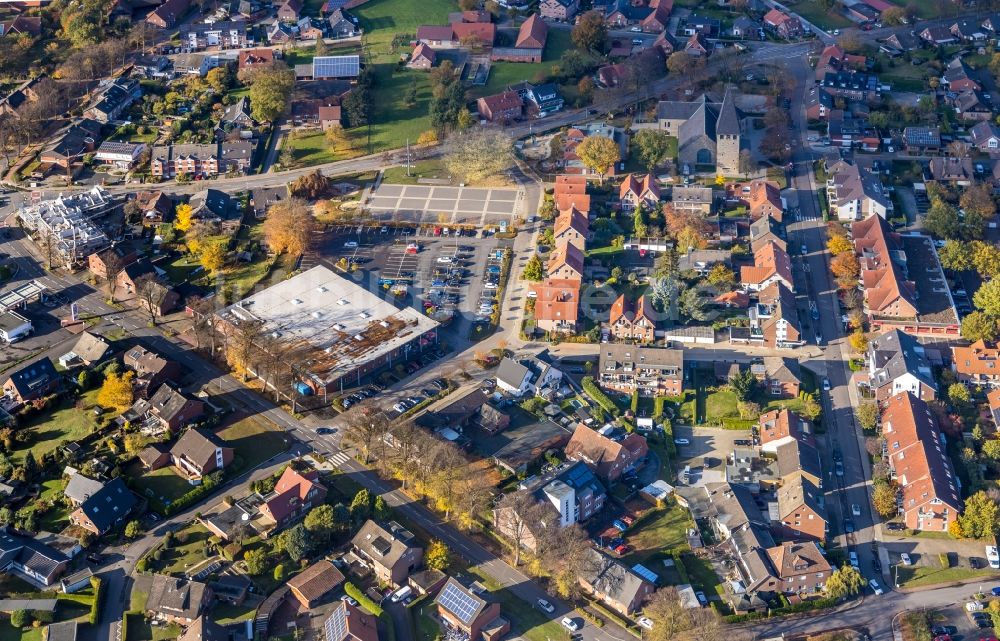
{"points": [[70, 421], [814, 12], [161, 487], [254, 440]]}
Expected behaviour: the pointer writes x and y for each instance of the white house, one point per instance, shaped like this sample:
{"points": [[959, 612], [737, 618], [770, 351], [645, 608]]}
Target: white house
{"points": [[123, 155], [529, 375]]}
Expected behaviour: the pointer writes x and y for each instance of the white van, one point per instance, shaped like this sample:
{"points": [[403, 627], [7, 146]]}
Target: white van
{"points": [[993, 557], [400, 594]]}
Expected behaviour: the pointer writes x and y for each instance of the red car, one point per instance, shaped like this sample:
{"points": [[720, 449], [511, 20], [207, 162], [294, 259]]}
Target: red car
{"points": [[625, 549]]}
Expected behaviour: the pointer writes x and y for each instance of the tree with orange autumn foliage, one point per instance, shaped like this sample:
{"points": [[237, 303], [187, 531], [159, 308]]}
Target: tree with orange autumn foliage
{"points": [[845, 269]]}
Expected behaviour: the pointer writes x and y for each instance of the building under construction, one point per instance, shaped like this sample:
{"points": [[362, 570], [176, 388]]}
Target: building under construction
{"points": [[338, 331], [66, 227]]}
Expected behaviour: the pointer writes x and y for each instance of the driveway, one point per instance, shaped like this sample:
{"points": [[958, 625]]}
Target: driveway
{"points": [[455, 205], [707, 452]]}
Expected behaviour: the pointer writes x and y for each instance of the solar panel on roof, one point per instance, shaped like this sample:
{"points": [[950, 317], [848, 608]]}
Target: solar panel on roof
{"points": [[336, 66], [336, 625], [458, 602]]}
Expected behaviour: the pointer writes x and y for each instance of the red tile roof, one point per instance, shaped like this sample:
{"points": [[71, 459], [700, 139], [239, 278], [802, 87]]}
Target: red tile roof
{"points": [[533, 33], [887, 291], [558, 299], [569, 255]]}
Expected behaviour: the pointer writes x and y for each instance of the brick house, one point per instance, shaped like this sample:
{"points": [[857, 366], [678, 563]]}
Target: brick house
{"points": [[608, 458], [107, 509], [198, 453], [563, 10], [632, 320], [294, 495], [635, 191], [502, 107], [566, 262], [33, 381]]}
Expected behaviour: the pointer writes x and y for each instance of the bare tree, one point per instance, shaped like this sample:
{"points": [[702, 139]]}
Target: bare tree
{"points": [[241, 344], [150, 293], [566, 553], [114, 264], [516, 517], [365, 427], [203, 309], [669, 617]]}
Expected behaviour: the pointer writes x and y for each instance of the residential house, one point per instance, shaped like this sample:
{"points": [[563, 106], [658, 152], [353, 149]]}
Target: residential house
{"points": [[800, 567], [423, 57], [79, 488], [819, 103], [692, 24], [898, 363], [294, 494], [851, 85], [985, 137], [120, 155], [779, 376], [633, 320], [389, 549], [154, 66], [937, 35], [778, 427], [610, 76], [949, 169], [763, 197], [501, 108], [289, 10], [342, 25], [746, 28], [528, 46], [527, 375], [608, 458], [114, 100], [204, 629], [701, 261], [958, 77], [191, 160], [544, 99], [70, 144], [32, 381], [623, 13], [155, 206], [635, 191], [566, 262], [198, 453], [218, 208], [177, 600], [250, 58], [969, 30], [315, 582], [562, 10], [130, 278], [30, 557], [572, 226], [766, 230], [110, 261], [708, 133], [610, 582], [771, 265], [801, 512], [262, 198], [977, 364], [920, 140], [693, 199], [782, 24], [570, 192], [854, 192], [236, 121], [350, 623], [21, 24], [466, 411], [697, 46], [151, 369], [896, 44], [557, 304], [469, 613], [104, 511], [168, 14], [834, 59], [653, 371], [90, 349], [166, 411], [154, 457], [774, 320], [920, 464]]}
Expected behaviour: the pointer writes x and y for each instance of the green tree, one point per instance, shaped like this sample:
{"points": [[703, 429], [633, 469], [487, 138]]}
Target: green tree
{"points": [[381, 510], [956, 256], [811, 409], [133, 529], [270, 90], [985, 258], [978, 326], [220, 79], [721, 276], [991, 449], [653, 146], [321, 522], [321, 48], [638, 224], [296, 542], [987, 298], [533, 269], [361, 506], [257, 561], [20, 618], [280, 573], [981, 517], [692, 304], [743, 384], [884, 499], [598, 154], [30, 467], [438, 556], [590, 32], [843, 582], [942, 220], [958, 394], [464, 120], [867, 416]]}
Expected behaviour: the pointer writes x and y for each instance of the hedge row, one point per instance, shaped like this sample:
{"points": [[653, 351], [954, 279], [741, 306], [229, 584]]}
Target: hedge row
{"points": [[682, 572], [95, 608], [208, 484], [733, 423], [803, 606], [359, 596], [598, 396]]}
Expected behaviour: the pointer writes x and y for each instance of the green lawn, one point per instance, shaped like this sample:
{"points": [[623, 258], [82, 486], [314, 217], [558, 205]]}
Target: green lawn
{"points": [[310, 149], [420, 169], [794, 404], [427, 628], [225, 614], [243, 277], [161, 486], [65, 424], [139, 629], [504, 74], [254, 440], [917, 575], [814, 12], [184, 555], [10, 633], [525, 619], [661, 532]]}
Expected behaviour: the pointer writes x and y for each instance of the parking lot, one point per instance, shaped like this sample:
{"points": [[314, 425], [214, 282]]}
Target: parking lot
{"points": [[706, 451], [479, 206]]}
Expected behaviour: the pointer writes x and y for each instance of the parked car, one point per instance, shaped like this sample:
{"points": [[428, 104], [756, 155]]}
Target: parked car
{"points": [[349, 600], [895, 527], [904, 558], [876, 588], [645, 622], [702, 599], [856, 509], [682, 441], [546, 606], [826, 381], [570, 624]]}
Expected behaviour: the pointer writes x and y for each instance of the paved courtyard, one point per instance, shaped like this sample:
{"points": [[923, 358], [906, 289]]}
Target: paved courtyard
{"points": [[478, 206]]}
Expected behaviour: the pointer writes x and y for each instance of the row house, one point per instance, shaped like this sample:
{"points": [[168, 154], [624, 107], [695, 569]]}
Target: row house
{"points": [[636, 191], [977, 364], [633, 320], [114, 99], [918, 459], [652, 371], [852, 85], [833, 59], [972, 106], [201, 159], [848, 132], [958, 77], [566, 262], [557, 305], [771, 265], [501, 108], [763, 199], [559, 10], [854, 192], [898, 363], [607, 457], [774, 319], [572, 226], [783, 25], [223, 35]]}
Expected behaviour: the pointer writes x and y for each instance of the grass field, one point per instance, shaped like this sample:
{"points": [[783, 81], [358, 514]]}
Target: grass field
{"points": [[427, 628], [814, 12], [162, 486], [663, 532], [10, 633], [504, 74], [184, 555], [65, 424], [918, 575], [226, 614], [420, 169], [310, 149], [139, 629], [525, 619], [254, 440]]}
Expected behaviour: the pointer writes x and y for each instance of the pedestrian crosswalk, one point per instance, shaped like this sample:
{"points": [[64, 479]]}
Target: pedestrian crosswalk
{"points": [[338, 459]]}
